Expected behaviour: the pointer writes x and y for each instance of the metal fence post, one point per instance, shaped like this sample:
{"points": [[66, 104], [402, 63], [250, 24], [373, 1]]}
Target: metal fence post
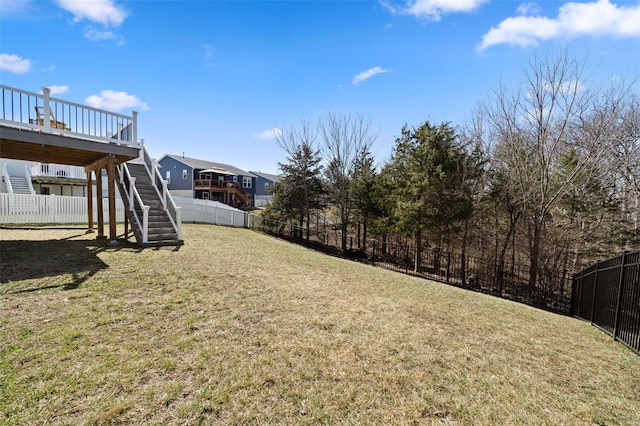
{"points": [[373, 254], [406, 260], [620, 285], [595, 286], [576, 283]]}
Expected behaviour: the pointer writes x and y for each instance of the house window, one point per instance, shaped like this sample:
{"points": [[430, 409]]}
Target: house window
{"points": [[168, 177], [246, 182], [235, 178], [45, 190], [184, 174], [266, 184], [205, 195]]}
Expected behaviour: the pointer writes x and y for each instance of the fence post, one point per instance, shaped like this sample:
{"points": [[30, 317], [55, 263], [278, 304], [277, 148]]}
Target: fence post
{"points": [[576, 286], [373, 254], [448, 265], [463, 270], [595, 286], [406, 260], [620, 284]]}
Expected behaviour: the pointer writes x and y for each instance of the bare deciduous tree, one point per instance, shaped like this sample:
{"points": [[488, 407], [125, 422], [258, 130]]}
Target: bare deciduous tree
{"points": [[345, 137]]}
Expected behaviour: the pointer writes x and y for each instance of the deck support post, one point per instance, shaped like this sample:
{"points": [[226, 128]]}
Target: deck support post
{"points": [[89, 201], [99, 202], [111, 179]]}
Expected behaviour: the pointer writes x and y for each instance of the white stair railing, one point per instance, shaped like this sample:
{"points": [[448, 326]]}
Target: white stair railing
{"points": [[27, 176], [6, 178], [133, 197], [160, 185]]}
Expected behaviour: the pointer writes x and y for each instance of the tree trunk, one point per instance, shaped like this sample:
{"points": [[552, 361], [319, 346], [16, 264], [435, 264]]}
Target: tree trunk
{"points": [[534, 254], [298, 233], [364, 235]]}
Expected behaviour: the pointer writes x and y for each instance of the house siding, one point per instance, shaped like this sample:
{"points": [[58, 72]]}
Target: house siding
{"points": [[178, 185], [175, 168]]}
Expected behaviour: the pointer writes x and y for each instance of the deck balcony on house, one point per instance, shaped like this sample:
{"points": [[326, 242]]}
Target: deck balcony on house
{"points": [[213, 186], [38, 127], [57, 172]]}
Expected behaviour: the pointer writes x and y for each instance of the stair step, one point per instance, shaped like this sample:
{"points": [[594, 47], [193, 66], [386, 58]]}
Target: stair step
{"points": [[161, 230]]}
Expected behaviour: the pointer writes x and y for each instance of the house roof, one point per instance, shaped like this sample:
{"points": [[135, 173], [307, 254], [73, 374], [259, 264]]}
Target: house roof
{"points": [[268, 176], [198, 164]]}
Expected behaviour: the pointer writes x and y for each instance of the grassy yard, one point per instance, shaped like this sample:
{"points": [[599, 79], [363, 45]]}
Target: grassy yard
{"points": [[240, 328]]}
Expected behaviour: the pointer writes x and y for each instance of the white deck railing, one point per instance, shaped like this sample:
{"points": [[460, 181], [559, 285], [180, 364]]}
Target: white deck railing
{"points": [[41, 112], [57, 171], [6, 179]]}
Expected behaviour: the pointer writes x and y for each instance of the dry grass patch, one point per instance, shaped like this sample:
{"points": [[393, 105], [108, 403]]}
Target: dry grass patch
{"points": [[237, 327]]}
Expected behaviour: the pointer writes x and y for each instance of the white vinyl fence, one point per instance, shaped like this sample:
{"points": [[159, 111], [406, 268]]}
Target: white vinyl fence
{"points": [[21, 209], [41, 209], [213, 212]]}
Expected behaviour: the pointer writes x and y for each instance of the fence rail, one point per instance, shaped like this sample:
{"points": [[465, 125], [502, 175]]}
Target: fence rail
{"points": [[41, 209], [608, 294], [47, 209], [213, 212]]}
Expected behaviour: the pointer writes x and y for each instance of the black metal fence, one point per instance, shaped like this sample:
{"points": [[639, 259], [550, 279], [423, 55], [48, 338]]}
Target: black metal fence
{"points": [[608, 294], [471, 270]]}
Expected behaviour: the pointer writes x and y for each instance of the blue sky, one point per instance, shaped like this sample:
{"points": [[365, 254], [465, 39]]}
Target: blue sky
{"points": [[215, 79]]}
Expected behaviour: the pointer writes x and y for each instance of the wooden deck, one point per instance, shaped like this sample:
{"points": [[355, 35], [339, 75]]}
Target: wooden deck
{"points": [[224, 188], [23, 144]]}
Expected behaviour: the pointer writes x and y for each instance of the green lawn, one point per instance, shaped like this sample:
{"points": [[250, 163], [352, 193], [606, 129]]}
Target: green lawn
{"points": [[240, 328]]}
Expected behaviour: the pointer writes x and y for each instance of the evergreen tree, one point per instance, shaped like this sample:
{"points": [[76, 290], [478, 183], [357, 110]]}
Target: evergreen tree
{"points": [[300, 191], [427, 180]]}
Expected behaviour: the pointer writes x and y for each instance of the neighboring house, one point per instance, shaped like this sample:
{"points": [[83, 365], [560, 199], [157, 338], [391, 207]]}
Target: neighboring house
{"points": [[28, 177], [264, 187], [206, 180]]}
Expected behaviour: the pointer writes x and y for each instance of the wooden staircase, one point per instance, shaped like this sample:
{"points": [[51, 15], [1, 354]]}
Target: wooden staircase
{"points": [[161, 231]]}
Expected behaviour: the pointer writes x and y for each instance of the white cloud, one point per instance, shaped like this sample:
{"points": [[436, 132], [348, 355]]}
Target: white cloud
{"points": [[96, 35], [529, 9], [104, 12], [269, 134], [58, 90], [368, 74], [14, 6], [115, 101], [14, 64], [99, 35], [599, 18], [434, 9]]}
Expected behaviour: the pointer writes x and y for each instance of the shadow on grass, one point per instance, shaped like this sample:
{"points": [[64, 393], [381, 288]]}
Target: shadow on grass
{"points": [[64, 264]]}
